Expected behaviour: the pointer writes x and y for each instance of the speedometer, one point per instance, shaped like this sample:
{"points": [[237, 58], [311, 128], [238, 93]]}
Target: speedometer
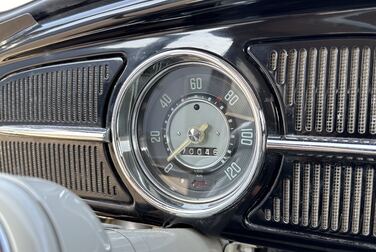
{"points": [[188, 132]]}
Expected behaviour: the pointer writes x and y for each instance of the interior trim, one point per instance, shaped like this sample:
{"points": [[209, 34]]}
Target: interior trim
{"points": [[322, 145], [4, 242], [58, 132]]}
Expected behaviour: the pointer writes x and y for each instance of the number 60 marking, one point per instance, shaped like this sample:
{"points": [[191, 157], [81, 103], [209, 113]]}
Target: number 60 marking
{"points": [[195, 83]]}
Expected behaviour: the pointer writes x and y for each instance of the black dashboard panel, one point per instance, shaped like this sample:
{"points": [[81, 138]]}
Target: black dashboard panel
{"points": [[305, 197]]}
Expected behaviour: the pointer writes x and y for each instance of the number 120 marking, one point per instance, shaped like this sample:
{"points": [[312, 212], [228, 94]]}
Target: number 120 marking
{"points": [[232, 171]]}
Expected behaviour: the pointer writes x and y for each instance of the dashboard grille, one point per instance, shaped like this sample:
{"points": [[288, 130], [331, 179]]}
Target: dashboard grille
{"points": [[328, 87], [67, 94], [327, 197], [78, 166]]}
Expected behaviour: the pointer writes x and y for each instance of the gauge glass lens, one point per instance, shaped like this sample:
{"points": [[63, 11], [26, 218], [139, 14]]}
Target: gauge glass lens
{"points": [[194, 132]]}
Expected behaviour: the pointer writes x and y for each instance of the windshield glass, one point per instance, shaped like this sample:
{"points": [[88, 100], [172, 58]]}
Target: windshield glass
{"points": [[8, 5]]}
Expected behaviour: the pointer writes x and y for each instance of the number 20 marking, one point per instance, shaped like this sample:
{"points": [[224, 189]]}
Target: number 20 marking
{"points": [[155, 136]]}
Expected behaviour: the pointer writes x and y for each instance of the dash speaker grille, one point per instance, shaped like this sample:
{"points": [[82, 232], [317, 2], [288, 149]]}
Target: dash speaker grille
{"points": [[72, 93], [328, 86], [79, 166], [324, 196], [69, 94], [326, 89]]}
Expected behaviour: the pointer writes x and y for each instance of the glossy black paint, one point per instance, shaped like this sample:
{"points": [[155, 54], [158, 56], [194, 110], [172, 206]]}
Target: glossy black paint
{"points": [[136, 30]]}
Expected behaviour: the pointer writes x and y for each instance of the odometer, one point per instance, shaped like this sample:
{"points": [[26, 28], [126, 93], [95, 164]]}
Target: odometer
{"points": [[194, 132]]}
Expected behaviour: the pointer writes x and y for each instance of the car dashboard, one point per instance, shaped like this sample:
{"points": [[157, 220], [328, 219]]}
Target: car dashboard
{"points": [[253, 121]]}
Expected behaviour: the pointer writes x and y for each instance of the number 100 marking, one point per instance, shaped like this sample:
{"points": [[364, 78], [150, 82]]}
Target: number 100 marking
{"points": [[246, 136]]}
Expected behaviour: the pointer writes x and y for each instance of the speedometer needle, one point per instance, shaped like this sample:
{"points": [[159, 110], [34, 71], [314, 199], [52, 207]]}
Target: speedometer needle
{"points": [[240, 116], [191, 139]]}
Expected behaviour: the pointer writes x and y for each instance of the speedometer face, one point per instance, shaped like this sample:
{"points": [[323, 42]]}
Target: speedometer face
{"points": [[195, 132], [187, 133]]}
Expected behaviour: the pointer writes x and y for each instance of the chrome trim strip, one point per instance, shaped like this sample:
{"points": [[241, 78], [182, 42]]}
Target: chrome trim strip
{"points": [[4, 242], [58, 132], [321, 145]]}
